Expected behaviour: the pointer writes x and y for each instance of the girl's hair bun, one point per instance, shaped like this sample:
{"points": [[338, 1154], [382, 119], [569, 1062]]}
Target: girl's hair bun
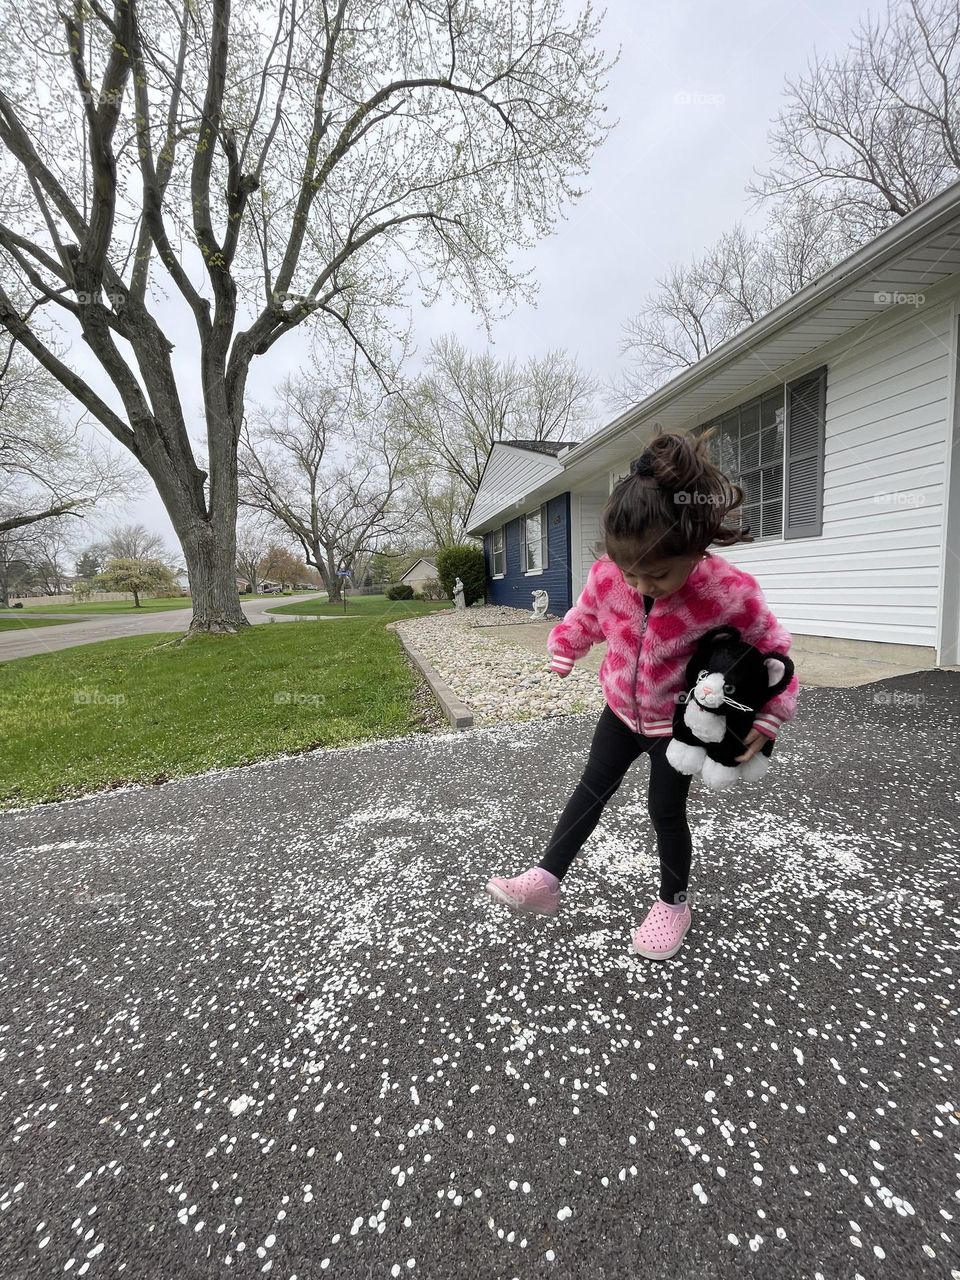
{"points": [[675, 501], [641, 466]]}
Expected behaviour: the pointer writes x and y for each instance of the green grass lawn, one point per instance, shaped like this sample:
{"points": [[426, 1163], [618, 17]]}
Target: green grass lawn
{"points": [[136, 710], [13, 621], [127, 606], [69, 605], [366, 607]]}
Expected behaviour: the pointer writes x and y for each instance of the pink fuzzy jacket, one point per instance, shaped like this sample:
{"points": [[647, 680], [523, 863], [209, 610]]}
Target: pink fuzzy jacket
{"points": [[643, 669]]}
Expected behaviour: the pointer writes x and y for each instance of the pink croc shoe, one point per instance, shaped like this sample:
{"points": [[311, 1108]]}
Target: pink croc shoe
{"points": [[534, 890], [662, 932]]}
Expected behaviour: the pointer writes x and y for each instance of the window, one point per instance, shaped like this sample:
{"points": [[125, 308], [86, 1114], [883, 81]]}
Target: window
{"points": [[806, 429], [748, 447], [756, 442], [534, 541], [497, 565]]}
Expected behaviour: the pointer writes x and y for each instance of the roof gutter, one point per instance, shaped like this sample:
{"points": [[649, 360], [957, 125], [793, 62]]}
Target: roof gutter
{"points": [[939, 209]]}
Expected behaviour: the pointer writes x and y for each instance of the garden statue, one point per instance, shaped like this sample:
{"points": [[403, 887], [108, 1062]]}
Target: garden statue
{"points": [[458, 597], [540, 603]]}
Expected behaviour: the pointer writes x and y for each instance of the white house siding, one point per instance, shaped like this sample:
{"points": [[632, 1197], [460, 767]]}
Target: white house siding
{"points": [[874, 573], [508, 476], [591, 509]]}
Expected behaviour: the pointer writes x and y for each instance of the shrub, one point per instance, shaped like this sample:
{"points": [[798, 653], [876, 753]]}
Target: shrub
{"points": [[400, 591], [466, 563], [432, 589]]}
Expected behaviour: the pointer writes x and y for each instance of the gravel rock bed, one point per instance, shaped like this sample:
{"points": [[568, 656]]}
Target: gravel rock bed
{"points": [[499, 682]]}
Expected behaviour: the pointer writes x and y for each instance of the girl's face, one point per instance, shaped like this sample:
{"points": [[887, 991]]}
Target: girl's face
{"points": [[659, 578]]}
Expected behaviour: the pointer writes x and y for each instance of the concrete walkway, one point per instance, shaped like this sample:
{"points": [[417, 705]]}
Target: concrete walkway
{"points": [[112, 626], [820, 661], [264, 1020]]}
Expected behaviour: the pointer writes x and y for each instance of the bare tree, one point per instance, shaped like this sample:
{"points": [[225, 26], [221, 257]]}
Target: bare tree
{"points": [[253, 538], [876, 131], [556, 398], [439, 505], [862, 139], [328, 466], [48, 466], [33, 557], [698, 306], [133, 542], [16, 549], [315, 164], [463, 404], [50, 554]]}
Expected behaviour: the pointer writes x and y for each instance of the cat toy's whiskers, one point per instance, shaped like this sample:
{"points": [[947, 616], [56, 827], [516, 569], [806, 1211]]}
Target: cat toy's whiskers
{"points": [[740, 706]]}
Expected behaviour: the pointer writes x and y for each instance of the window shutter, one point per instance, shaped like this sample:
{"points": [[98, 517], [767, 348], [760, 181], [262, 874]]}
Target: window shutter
{"points": [[805, 425]]}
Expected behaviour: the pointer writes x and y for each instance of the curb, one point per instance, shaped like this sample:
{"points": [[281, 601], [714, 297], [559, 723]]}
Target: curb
{"points": [[457, 713]]}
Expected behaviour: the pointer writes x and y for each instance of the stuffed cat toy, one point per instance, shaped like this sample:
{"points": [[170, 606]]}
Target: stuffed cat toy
{"points": [[727, 682]]}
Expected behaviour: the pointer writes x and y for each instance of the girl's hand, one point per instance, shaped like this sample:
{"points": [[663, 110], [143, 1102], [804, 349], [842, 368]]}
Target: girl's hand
{"points": [[753, 743], [560, 666]]}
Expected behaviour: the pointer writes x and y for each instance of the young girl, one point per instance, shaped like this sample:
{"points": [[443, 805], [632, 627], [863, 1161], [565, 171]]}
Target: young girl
{"points": [[650, 597]]}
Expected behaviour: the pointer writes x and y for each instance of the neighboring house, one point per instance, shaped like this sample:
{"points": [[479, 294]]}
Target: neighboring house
{"points": [[838, 415], [420, 571], [527, 544]]}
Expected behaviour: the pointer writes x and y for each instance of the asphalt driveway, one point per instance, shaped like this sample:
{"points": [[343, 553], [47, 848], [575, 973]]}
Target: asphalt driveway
{"points": [[264, 1020]]}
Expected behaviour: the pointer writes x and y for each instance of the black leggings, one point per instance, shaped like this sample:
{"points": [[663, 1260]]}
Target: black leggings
{"points": [[614, 748]]}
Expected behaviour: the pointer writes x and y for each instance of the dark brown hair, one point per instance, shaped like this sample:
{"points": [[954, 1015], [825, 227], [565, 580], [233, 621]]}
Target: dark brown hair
{"points": [[674, 502]]}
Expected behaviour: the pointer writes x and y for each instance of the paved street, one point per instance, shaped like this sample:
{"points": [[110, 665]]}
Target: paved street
{"points": [[264, 1021], [113, 626]]}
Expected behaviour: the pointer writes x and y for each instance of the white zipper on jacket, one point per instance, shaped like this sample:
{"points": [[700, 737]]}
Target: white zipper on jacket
{"points": [[636, 667]]}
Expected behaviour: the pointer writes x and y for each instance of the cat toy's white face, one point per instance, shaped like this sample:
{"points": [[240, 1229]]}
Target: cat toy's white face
{"points": [[711, 689]]}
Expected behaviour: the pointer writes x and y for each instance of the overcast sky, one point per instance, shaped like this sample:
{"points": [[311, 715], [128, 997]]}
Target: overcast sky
{"points": [[695, 90]]}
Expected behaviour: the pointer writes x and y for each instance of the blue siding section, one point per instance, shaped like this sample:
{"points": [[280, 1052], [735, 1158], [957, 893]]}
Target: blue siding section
{"points": [[516, 588]]}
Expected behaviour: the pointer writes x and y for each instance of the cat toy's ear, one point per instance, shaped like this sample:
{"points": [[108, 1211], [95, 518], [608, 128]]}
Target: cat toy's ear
{"points": [[718, 635], [779, 672]]}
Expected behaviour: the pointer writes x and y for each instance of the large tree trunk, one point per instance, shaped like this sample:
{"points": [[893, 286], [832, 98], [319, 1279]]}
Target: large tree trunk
{"points": [[210, 554], [324, 565]]}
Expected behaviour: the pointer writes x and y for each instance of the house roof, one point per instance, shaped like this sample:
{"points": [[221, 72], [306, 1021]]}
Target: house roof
{"points": [[913, 257], [422, 560], [511, 471], [553, 447]]}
